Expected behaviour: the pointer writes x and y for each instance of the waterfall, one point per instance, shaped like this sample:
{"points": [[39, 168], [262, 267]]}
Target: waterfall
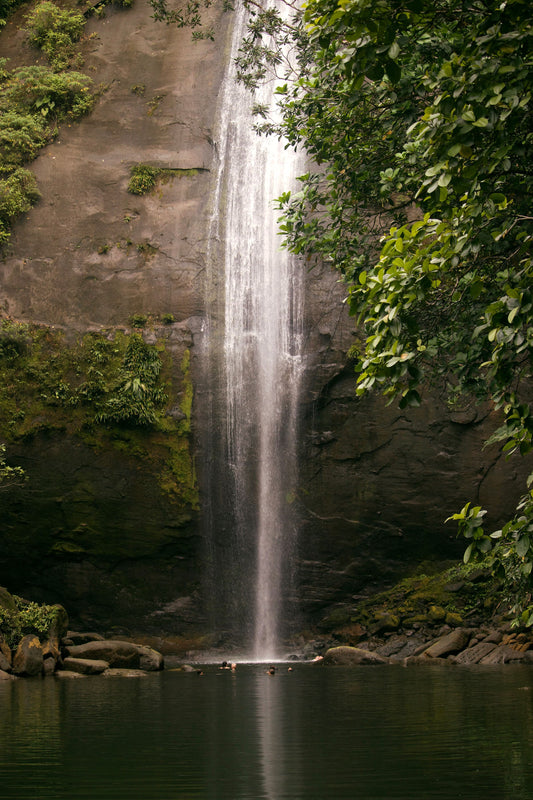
{"points": [[255, 365]]}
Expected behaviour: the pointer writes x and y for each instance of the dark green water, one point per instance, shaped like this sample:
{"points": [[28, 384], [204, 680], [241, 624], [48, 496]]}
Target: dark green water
{"points": [[367, 733]]}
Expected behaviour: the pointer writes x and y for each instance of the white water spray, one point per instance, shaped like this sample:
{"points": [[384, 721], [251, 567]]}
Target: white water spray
{"points": [[262, 363]]}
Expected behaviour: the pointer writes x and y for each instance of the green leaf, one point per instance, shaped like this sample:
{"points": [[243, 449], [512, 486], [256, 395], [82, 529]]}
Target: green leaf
{"points": [[394, 72], [394, 50], [522, 546]]}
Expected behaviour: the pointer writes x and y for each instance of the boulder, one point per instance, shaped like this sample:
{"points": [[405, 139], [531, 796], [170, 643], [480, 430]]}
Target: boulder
{"points": [[385, 621], [452, 643], [5, 666], [473, 655], [5, 663], [6, 676], [494, 636], [6, 599], [49, 666], [119, 654], [400, 647], [503, 655], [75, 637], [351, 656], [59, 625], [5, 650], [51, 656], [51, 649], [28, 659], [150, 660], [425, 661], [453, 619], [415, 621], [86, 666], [436, 614]]}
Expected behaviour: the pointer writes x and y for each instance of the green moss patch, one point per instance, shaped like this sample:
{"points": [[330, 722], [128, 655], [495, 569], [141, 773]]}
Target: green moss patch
{"points": [[108, 389], [451, 596], [144, 178]]}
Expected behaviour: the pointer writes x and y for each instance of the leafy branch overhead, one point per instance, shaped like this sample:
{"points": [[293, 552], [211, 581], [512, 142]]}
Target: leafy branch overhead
{"points": [[419, 119]]}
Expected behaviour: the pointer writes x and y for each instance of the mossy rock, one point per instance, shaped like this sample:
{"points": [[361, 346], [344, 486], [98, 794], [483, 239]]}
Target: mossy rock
{"points": [[430, 599], [453, 619], [58, 623], [415, 620], [337, 618], [385, 621], [6, 600], [437, 614]]}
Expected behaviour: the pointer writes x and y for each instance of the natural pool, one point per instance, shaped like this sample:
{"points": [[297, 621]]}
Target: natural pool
{"points": [[319, 733]]}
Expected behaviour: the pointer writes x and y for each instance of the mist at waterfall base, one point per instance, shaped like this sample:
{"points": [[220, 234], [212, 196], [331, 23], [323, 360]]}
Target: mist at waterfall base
{"points": [[254, 366], [316, 733]]}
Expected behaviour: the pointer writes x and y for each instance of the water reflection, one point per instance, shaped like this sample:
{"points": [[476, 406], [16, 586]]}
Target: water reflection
{"points": [[33, 718], [275, 736], [327, 734]]}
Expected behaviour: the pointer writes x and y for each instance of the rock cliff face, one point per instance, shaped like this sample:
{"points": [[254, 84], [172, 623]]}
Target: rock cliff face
{"points": [[377, 483], [90, 253], [93, 528], [95, 525]]}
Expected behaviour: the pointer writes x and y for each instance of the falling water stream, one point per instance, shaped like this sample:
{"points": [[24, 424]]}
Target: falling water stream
{"points": [[255, 342]]}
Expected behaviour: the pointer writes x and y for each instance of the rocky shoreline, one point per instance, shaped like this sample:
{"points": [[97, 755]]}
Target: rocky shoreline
{"points": [[461, 646], [77, 655], [35, 641]]}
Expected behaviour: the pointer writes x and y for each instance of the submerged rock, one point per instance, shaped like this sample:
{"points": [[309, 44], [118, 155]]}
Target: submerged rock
{"points": [[67, 673], [124, 673]]}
